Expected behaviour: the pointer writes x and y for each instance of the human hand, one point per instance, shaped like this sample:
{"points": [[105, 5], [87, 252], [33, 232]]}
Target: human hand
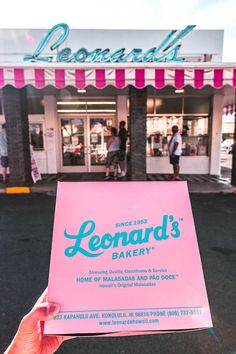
{"points": [[30, 338]]}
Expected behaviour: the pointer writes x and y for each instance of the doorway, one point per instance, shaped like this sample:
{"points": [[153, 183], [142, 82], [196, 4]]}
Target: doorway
{"points": [[84, 142]]}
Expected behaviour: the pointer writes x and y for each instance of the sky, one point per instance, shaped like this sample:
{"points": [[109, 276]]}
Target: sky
{"points": [[125, 14]]}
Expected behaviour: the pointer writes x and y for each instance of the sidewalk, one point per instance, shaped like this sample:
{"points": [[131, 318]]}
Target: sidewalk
{"points": [[196, 183]]}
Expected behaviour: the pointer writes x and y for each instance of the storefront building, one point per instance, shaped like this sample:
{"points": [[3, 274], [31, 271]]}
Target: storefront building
{"points": [[62, 94]]}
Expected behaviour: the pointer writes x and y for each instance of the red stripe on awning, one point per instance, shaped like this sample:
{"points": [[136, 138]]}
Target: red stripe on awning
{"points": [[218, 78], [198, 78], [80, 79], [1, 78], [120, 78], [234, 78], [100, 78], [159, 78], [179, 78], [139, 78], [19, 78], [59, 78], [39, 77]]}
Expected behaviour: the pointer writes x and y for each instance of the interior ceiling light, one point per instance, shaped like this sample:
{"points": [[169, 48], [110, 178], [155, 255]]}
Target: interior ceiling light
{"points": [[86, 102], [100, 103], [81, 91], [84, 110], [179, 91], [71, 110], [101, 110], [71, 103], [158, 102]]}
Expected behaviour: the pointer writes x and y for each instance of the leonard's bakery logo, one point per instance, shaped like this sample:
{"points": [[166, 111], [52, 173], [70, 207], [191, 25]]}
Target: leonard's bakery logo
{"points": [[88, 243], [165, 51]]}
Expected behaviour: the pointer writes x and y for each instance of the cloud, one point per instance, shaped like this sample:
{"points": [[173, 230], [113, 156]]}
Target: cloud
{"points": [[176, 13], [136, 14], [220, 15]]}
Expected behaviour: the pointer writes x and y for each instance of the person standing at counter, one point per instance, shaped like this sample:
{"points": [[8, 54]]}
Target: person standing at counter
{"points": [[175, 151]]}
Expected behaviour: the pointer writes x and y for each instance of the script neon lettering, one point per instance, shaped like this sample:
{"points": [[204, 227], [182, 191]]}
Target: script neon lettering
{"points": [[64, 31], [166, 51]]}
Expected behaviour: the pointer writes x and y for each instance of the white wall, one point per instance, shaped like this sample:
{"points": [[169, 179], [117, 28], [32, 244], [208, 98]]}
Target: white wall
{"points": [[40, 155], [197, 164], [188, 164], [51, 134], [228, 123], [197, 42], [218, 103]]}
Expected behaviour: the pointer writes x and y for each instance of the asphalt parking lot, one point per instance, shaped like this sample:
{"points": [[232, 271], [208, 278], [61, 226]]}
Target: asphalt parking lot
{"points": [[26, 223]]}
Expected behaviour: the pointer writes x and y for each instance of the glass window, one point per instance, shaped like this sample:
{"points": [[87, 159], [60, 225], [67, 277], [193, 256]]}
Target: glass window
{"points": [[194, 131], [159, 134], [168, 105], [195, 136], [35, 105], [150, 105], [72, 131], [36, 136], [194, 126], [196, 105], [100, 130], [191, 116]]}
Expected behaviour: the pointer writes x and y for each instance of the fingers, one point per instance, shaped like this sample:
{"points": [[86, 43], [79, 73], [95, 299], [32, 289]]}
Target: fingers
{"points": [[42, 297], [42, 312], [69, 337]]}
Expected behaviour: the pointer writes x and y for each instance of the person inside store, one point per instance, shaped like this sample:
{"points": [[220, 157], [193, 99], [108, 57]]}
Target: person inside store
{"points": [[149, 141], [157, 145], [4, 152], [113, 149], [30, 338], [185, 141], [79, 149], [175, 151], [185, 130], [123, 134], [37, 138]]}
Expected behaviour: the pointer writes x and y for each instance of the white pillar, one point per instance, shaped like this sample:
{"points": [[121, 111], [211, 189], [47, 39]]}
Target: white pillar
{"points": [[51, 134], [218, 105]]}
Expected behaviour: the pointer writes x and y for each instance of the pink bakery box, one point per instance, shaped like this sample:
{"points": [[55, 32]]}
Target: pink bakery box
{"points": [[125, 260]]}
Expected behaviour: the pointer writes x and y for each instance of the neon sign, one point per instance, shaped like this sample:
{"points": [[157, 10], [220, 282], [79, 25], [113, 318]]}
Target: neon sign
{"points": [[166, 51]]}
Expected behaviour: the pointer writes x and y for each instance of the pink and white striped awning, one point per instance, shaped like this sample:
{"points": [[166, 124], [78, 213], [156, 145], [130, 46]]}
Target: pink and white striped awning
{"points": [[229, 109], [79, 76]]}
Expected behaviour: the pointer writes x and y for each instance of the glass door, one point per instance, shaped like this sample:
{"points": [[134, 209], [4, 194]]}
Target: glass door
{"points": [[84, 143], [99, 132], [74, 147]]}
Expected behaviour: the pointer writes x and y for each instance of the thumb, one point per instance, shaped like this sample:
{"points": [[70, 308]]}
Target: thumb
{"points": [[42, 312]]}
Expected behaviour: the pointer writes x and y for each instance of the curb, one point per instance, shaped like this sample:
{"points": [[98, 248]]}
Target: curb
{"points": [[17, 190], [52, 191]]}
